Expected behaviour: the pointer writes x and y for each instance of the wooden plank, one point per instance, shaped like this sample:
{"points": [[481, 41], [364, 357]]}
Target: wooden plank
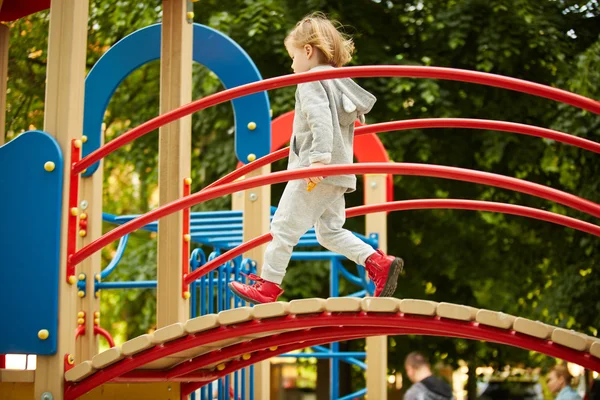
{"points": [[118, 391], [63, 119], [16, 391], [17, 375], [257, 207], [90, 195], [4, 41], [174, 158], [375, 193]]}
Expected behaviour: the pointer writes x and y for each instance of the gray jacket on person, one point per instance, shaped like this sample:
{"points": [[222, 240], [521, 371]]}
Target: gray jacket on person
{"points": [[324, 124], [430, 388]]}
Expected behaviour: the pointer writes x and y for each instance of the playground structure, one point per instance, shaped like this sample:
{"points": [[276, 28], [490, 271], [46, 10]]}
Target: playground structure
{"points": [[204, 334]]}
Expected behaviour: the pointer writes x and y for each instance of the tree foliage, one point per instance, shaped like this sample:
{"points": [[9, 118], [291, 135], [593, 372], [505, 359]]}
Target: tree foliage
{"points": [[520, 266]]}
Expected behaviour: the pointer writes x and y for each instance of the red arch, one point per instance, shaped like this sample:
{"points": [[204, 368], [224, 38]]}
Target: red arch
{"points": [[367, 148], [306, 327]]}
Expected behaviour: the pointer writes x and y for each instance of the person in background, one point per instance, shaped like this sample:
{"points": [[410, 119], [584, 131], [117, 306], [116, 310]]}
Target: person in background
{"points": [[559, 383], [425, 385]]}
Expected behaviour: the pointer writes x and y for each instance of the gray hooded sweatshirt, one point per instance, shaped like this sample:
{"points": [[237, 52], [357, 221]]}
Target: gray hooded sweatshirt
{"points": [[324, 124]]}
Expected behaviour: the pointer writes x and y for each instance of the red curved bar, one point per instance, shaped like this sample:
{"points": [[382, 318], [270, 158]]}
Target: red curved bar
{"points": [[347, 72], [392, 322], [80, 330], [403, 205], [487, 124], [105, 334], [421, 124], [475, 205], [435, 171]]}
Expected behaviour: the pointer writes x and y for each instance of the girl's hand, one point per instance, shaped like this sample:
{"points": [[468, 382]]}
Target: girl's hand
{"points": [[315, 179]]}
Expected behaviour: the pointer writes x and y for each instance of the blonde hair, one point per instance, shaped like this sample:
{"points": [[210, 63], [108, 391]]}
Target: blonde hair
{"points": [[561, 371], [320, 32]]}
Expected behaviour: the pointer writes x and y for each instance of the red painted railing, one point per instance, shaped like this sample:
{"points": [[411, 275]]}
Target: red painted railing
{"points": [[371, 323], [435, 171], [424, 204], [347, 72]]}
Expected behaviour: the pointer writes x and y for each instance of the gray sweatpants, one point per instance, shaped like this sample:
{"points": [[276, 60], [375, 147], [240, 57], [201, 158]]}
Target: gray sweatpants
{"points": [[298, 211]]}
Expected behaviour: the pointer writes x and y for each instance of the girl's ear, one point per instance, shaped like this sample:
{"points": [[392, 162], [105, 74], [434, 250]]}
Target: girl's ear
{"points": [[308, 49]]}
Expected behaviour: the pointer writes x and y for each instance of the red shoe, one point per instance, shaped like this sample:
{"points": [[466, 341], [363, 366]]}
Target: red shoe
{"points": [[260, 292], [383, 271]]}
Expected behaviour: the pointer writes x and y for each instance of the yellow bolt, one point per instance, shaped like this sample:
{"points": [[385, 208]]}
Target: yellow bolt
{"points": [[81, 277], [251, 157], [72, 279], [77, 143], [84, 138], [187, 237], [246, 356], [80, 314], [97, 314], [190, 15], [221, 367], [188, 181], [83, 216], [252, 125], [96, 321], [82, 233], [81, 293], [186, 295], [80, 321], [84, 171], [49, 166], [43, 334], [74, 211], [97, 277], [310, 186], [71, 359], [273, 348]]}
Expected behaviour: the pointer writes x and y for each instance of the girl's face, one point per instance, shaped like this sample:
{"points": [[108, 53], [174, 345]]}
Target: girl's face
{"points": [[555, 384], [303, 58]]}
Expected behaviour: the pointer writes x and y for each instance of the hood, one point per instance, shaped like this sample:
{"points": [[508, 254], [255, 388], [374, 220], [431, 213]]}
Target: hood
{"points": [[354, 98], [437, 387]]}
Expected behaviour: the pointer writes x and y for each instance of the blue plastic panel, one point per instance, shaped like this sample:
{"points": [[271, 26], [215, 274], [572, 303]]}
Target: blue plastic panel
{"points": [[30, 205], [217, 52]]}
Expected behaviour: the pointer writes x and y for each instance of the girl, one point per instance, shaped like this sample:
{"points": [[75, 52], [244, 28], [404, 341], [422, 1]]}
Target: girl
{"points": [[323, 134]]}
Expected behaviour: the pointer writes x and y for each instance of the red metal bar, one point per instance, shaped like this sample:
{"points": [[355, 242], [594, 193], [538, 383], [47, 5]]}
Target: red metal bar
{"points": [[404, 205], [79, 331], [254, 165], [436, 171], [295, 322], [230, 255], [525, 342], [185, 248], [426, 123], [486, 124], [72, 221], [2, 361], [347, 72], [475, 205], [104, 333]]}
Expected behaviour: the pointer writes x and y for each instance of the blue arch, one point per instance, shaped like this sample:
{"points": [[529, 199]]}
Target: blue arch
{"points": [[217, 52]]}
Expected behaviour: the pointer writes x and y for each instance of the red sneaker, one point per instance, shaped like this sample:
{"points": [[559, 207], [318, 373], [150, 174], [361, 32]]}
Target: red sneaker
{"points": [[260, 292], [383, 271]]}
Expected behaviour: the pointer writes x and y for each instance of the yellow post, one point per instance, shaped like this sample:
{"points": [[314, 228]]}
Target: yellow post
{"points": [[377, 346], [257, 213], [4, 40], [174, 158], [90, 205], [63, 119]]}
